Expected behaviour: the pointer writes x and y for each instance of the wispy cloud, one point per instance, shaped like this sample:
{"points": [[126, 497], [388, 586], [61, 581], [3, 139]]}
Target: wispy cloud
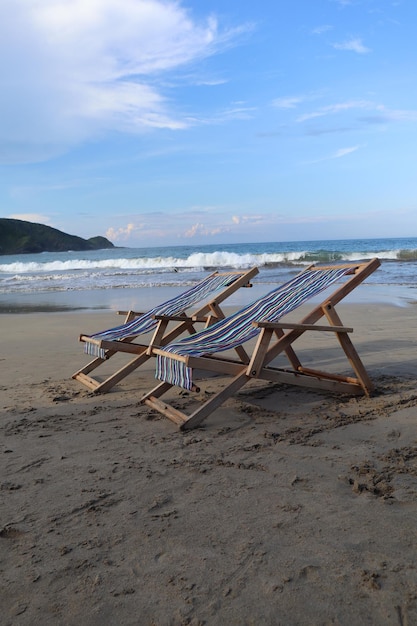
{"points": [[71, 71], [320, 30], [36, 218], [337, 108], [210, 82], [123, 233], [398, 115], [334, 130], [294, 101], [234, 113], [248, 219], [381, 114], [352, 45], [203, 230], [342, 152], [288, 102]]}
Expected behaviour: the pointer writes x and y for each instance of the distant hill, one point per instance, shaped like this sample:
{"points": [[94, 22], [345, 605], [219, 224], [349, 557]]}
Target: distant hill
{"points": [[20, 237]]}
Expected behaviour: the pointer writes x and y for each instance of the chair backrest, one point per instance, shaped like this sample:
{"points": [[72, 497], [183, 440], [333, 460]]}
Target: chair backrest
{"points": [[205, 289], [238, 328]]}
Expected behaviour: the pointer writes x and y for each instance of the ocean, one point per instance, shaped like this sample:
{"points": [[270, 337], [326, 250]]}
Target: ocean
{"points": [[111, 278]]}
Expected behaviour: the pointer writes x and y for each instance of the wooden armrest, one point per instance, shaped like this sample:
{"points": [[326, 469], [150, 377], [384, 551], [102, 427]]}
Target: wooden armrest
{"points": [[303, 327], [88, 339], [133, 313], [170, 355], [173, 318], [180, 318]]}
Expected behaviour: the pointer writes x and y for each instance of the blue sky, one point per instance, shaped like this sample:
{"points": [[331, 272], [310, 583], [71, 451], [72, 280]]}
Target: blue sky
{"points": [[156, 122]]}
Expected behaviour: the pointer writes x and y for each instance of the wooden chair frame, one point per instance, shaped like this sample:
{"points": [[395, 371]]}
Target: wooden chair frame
{"points": [[207, 314], [277, 338]]}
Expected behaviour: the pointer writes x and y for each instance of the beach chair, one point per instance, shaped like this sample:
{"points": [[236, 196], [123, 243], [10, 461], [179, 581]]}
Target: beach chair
{"points": [[177, 362], [210, 292]]}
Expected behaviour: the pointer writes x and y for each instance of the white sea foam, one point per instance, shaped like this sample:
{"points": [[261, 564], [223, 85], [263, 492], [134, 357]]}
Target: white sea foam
{"points": [[196, 261], [176, 266]]}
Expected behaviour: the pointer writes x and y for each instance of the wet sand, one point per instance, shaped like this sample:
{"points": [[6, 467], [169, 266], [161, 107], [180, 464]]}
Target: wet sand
{"points": [[287, 507]]}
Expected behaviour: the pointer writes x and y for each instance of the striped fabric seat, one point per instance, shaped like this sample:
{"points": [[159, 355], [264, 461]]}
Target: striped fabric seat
{"points": [[175, 306], [237, 329]]}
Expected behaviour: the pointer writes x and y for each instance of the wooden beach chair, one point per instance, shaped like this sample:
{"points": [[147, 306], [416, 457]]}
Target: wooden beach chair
{"points": [[211, 290], [176, 362]]}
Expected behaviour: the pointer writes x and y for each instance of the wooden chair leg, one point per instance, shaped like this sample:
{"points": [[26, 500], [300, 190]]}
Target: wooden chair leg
{"points": [[188, 422], [350, 351], [122, 373], [89, 367], [200, 414]]}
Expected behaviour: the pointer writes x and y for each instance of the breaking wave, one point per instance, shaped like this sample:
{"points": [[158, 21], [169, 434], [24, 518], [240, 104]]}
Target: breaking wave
{"points": [[201, 261], [181, 266]]}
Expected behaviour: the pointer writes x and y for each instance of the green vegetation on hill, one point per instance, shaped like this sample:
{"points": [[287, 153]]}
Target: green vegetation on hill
{"points": [[20, 237]]}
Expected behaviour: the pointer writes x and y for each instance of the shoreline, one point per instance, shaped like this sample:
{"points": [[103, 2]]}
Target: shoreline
{"points": [[145, 298]]}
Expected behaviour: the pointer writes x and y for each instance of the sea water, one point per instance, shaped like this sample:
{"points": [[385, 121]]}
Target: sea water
{"points": [[75, 274]]}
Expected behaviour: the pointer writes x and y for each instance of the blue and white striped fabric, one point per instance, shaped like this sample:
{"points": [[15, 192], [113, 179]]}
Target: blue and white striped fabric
{"points": [[143, 324], [236, 329]]}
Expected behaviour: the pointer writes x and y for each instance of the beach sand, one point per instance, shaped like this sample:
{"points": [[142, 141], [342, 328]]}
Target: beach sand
{"points": [[287, 507]]}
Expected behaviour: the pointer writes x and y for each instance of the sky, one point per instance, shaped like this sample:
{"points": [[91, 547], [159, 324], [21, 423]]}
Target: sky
{"points": [[191, 122]]}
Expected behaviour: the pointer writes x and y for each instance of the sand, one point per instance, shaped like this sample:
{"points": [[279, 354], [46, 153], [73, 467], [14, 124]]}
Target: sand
{"points": [[287, 507]]}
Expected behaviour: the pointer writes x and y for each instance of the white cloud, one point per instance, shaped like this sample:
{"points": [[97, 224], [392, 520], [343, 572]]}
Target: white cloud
{"points": [[122, 233], [319, 30], [353, 45], [217, 221], [37, 218], [200, 229], [337, 108], [210, 82], [380, 113], [72, 70], [248, 219], [344, 151], [336, 155], [397, 115], [235, 112], [290, 102]]}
